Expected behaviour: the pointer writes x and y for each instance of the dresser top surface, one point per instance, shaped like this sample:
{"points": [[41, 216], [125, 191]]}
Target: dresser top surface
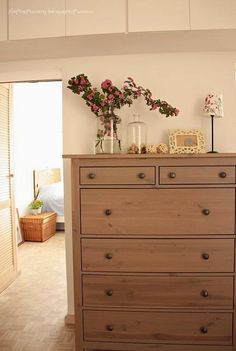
{"points": [[150, 156]]}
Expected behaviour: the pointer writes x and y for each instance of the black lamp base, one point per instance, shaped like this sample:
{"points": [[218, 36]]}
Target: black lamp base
{"points": [[212, 137]]}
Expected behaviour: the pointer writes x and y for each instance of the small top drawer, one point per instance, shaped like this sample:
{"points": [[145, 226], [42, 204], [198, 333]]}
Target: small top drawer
{"points": [[197, 175], [117, 175]]}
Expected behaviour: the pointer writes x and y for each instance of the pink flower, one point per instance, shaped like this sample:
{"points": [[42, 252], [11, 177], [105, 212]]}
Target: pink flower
{"points": [[107, 83], [75, 81], [118, 93], [103, 102], [95, 108], [107, 125], [111, 97], [101, 118], [90, 97], [154, 106], [82, 80]]}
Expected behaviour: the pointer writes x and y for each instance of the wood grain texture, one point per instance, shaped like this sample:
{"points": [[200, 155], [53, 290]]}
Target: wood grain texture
{"points": [[109, 346], [158, 292], [157, 211], [158, 327], [197, 175], [75, 180], [160, 255], [117, 175], [148, 249], [186, 157]]}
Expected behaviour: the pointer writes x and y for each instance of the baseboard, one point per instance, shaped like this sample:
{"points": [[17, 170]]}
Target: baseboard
{"points": [[70, 320]]}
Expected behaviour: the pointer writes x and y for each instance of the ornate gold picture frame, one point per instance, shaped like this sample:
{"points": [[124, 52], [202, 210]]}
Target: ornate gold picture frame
{"points": [[186, 141]]}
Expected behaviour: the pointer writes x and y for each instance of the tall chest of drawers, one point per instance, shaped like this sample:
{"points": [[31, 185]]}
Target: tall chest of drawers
{"points": [[154, 252]]}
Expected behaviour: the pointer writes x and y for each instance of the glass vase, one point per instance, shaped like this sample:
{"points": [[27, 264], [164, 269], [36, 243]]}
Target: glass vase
{"points": [[108, 140], [137, 136]]}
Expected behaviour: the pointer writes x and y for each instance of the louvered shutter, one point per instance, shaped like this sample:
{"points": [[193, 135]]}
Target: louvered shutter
{"points": [[7, 233]]}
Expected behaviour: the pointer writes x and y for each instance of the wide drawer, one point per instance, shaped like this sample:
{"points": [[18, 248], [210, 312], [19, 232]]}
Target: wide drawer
{"points": [[158, 327], [161, 255], [157, 211], [117, 175], [197, 175], [158, 292]]}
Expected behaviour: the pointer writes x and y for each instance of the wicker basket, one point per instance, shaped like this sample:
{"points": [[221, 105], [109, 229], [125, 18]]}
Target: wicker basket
{"points": [[38, 227]]}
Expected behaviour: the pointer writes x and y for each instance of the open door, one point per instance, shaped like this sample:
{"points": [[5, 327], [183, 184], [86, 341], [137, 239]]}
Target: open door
{"points": [[8, 267]]}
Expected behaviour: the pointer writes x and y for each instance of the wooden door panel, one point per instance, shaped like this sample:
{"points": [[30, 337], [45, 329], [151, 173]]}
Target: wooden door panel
{"points": [[7, 233]]}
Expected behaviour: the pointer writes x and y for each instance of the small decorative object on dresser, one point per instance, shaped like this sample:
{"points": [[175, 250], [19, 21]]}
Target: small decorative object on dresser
{"points": [[154, 252], [186, 141], [214, 108], [137, 136], [162, 149], [38, 227]]}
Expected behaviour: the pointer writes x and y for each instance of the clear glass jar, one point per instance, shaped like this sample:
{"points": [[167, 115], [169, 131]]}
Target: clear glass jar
{"points": [[108, 140], [137, 136]]}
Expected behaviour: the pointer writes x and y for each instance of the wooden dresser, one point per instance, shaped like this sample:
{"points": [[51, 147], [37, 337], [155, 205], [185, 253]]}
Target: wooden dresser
{"points": [[154, 252]]}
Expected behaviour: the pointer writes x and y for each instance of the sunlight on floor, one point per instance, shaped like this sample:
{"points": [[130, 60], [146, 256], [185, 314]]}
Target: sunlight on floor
{"points": [[33, 308]]}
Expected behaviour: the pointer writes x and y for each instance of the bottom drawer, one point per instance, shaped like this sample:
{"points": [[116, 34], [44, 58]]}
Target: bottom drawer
{"points": [[158, 327], [150, 347]]}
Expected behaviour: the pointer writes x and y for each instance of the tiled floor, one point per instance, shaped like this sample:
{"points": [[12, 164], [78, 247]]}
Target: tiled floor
{"points": [[33, 308]]}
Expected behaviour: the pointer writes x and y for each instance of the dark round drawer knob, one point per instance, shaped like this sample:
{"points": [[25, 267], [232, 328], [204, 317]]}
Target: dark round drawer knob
{"points": [[108, 256], [204, 330], [92, 175], [109, 292], [205, 256], [223, 174], [141, 175], [109, 327], [172, 175], [206, 211], [108, 212], [204, 293]]}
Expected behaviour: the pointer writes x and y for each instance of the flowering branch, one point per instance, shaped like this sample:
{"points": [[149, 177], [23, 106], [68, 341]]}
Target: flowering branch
{"points": [[132, 92], [111, 97]]}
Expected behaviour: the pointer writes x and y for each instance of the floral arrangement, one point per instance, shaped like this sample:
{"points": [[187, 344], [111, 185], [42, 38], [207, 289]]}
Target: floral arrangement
{"points": [[111, 97], [103, 103]]}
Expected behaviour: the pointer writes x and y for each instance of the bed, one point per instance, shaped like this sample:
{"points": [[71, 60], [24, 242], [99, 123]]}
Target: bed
{"points": [[48, 187]]}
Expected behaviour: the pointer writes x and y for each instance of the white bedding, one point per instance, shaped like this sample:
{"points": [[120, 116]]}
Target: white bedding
{"points": [[52, 196]]}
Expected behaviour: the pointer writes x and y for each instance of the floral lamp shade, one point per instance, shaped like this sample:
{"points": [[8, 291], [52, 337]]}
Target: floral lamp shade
{"points": [[214, 105]]}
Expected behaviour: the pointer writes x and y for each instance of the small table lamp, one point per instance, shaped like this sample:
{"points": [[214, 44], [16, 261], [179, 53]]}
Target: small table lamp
{"points": [[214, 108]]}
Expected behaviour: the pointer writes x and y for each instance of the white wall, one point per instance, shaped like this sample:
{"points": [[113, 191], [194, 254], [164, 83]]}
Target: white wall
{"points": [[183, 79], [37, 125]]}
